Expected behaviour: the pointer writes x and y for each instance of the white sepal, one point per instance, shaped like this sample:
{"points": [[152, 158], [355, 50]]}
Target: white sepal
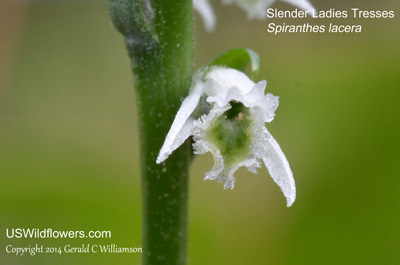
{"points": [[182, 127], [279, 169]]}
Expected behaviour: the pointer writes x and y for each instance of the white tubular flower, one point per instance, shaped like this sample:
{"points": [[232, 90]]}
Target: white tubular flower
{"points": [[256, 9], [233, 130]]}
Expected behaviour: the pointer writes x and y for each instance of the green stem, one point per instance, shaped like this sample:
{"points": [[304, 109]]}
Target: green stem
{"points": [[160, 43]]}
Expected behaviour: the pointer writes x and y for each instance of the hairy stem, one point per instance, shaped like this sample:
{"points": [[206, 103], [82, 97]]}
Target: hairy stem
{"points": [[159, 39]]}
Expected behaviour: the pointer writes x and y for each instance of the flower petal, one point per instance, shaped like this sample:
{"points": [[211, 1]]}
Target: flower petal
{"points": [[279, 168], [224, 84], [207, 13], [202, 146], [257, 9], [231, 150], [182, 127]]}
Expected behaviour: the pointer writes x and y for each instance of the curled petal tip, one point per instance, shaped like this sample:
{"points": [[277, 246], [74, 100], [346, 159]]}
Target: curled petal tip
{"points": [[302, 4], [160, 159], [206, 12], [290, 200]]}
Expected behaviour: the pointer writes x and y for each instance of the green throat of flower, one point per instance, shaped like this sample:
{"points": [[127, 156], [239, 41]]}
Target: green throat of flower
{"points": [[231, 133]]}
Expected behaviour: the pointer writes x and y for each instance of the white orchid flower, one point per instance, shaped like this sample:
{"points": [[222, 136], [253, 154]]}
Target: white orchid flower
{"points": [[256, 9], [233, 129]]}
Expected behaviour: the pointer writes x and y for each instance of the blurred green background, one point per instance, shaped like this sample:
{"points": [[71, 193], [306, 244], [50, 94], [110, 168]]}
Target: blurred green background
{"points": [[69, 145]]}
